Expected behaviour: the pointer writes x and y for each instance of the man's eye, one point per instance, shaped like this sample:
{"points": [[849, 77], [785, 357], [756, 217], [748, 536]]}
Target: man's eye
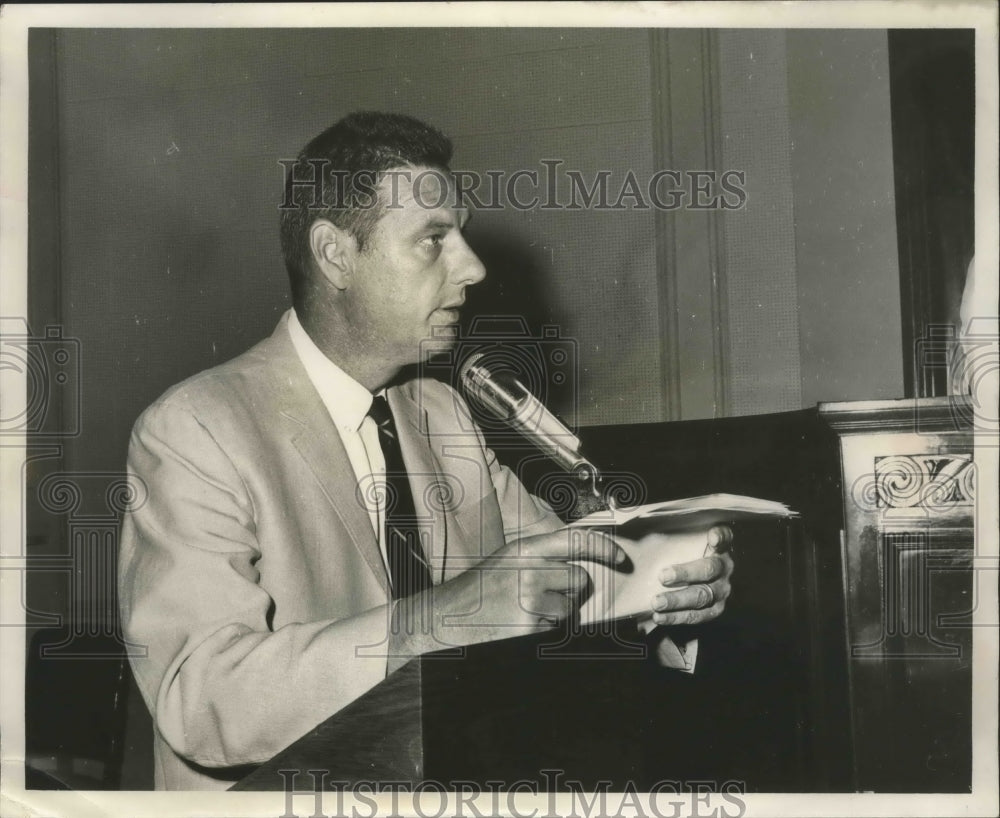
{"points": [[434, 240]]}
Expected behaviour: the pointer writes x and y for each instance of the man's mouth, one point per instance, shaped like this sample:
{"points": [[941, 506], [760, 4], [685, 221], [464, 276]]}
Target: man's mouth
{"points": [[451, 311]]}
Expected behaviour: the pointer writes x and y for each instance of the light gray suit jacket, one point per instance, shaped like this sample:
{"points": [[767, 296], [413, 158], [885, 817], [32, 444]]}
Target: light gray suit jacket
{"points": [[249, 569]]}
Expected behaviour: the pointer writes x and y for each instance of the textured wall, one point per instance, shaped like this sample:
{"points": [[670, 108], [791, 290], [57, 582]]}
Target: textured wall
{"points": [[763, 355], [811, 263], [845, 216]]}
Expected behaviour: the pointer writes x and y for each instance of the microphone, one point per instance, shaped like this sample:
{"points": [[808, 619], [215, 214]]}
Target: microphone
{"points": [[505, 398]]}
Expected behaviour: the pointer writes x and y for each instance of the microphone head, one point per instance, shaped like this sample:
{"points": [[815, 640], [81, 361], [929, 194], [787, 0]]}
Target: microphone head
{"points": [[502, 396], [466, 371], [499, 395]]}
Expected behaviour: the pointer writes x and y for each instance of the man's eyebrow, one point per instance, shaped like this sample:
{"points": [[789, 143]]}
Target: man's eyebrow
{"points": [[443, 224], [437, 224]]}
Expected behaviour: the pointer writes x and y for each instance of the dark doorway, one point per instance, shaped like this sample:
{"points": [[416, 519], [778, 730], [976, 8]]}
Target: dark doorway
{"points": [[932, 82]]}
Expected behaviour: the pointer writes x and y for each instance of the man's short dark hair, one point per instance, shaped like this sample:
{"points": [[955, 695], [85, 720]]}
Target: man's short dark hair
{"points": [[350, 158]]}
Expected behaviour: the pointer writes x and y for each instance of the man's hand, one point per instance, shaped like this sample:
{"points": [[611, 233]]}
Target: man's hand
{"points": [[696, 591], [527, 586]]}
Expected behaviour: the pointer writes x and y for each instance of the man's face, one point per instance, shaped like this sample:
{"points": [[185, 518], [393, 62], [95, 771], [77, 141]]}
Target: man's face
{"points": [[409, 280]]}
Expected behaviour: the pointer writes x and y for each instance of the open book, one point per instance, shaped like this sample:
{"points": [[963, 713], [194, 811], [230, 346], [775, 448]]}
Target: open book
{"points": [[655, 536]]}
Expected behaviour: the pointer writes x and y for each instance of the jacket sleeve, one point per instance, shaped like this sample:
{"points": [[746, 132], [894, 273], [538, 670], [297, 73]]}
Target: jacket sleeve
{"points": [[224, 688], [523, 514]]}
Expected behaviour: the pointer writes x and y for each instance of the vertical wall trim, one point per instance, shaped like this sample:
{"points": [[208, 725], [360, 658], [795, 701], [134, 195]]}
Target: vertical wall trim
{"points": [[44, 193], [690, 243], [45, 532], [716, 224], [45, 268], [664, 232]]}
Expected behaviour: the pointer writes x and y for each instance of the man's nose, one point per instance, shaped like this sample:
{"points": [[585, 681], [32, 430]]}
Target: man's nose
{"points": [[468, 268]]}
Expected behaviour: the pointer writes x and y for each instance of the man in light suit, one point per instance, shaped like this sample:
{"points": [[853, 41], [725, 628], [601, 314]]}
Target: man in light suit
{"points": [[256, 562]]}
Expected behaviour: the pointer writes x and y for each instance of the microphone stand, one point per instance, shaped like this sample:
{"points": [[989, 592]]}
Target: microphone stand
{"points": [[505, 398]]}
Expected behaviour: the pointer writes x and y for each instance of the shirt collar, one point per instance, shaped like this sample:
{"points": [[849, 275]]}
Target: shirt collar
{"points": [[346, 400]]}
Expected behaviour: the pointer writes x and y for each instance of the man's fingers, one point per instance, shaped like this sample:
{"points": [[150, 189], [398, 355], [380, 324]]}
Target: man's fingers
{"points": [[691, 604], [549, 576], [547, 608], [595, 546], [689, 597], [720, 538], [705, 569], [577, 580], [689, 616], [573, 544]]}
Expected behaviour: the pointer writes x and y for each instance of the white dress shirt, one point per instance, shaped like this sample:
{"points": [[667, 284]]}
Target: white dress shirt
{"points": [[348, 403]]}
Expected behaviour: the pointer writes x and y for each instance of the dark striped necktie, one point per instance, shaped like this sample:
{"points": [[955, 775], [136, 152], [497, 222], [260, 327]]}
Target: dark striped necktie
{"points": [[408, 568]]}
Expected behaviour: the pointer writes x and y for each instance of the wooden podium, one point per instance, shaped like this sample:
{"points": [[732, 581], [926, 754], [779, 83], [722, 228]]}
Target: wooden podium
{"points": [[505, 711]]}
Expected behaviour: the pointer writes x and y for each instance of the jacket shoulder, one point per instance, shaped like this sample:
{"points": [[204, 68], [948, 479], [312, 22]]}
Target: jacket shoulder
{"points": [[220, 390]]}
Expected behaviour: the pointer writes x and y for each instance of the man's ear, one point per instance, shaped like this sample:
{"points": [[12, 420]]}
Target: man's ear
{"points": [[332, 251]]}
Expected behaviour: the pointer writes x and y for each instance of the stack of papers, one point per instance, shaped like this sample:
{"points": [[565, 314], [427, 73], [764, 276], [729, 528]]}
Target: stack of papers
{"points": [[691, 512]]}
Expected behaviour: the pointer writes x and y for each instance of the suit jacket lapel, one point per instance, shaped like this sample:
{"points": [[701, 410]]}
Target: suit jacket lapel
{"points": [[317, 440]]}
